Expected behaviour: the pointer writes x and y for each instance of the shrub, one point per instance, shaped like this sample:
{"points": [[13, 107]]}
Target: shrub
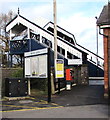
{"points": [[18, 73]]}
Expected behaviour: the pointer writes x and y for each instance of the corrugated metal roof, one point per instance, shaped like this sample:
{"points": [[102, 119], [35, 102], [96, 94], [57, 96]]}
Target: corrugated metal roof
{"points": [[104, 18]]}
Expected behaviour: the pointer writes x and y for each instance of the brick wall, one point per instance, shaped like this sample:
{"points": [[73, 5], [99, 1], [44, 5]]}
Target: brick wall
{"points": [[109, 60], [106, 59]]}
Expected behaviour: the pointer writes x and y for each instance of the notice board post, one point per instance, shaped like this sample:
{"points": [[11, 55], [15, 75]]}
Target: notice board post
{"points": [[49, 76]]}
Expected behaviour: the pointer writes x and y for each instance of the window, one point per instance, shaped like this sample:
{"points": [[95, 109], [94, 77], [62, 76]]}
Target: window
{"points": [[61, 50], [35, 36], [58, 49], [71, 56], [62, 35], [46, 42], [75, 57]]}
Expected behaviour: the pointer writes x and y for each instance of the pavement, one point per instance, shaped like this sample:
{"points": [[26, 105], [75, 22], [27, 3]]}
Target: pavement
{"points": [[80, 101], [81, 95]]}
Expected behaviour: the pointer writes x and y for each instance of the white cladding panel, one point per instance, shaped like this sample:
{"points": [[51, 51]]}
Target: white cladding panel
{"points": [[12, 24], [74, 61]]}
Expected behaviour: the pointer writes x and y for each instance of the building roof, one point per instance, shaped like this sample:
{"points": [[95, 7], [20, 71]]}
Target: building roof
{"points": [[104, 18]]}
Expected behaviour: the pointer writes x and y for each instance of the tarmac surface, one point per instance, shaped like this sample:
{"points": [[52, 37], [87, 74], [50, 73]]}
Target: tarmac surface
{"points": [[77, 96], [87, 111], [81, 95], [26, 103]]}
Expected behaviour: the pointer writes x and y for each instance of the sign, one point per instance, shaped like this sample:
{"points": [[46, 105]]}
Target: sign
{"points": [[36, 64], [68, 86], [74, 61], [36, 52], [59, 68]]}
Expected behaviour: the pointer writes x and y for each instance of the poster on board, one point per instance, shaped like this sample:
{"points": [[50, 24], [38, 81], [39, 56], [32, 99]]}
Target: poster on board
{"points": [[43, 66], [27, 67], [34, 65]]}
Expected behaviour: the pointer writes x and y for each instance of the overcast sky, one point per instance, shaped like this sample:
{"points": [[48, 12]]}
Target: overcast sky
{"points": [[76, 16]]}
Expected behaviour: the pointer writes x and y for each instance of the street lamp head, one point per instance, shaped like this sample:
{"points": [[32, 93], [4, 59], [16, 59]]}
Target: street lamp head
{"points": [[96, 17]]}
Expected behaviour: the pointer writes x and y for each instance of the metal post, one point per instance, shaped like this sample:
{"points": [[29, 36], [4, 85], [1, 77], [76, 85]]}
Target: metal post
{"points": [[29, 87], [11, 61], [58, 85], [49, 77], [97, 45], [10, 34], [21, 61]]}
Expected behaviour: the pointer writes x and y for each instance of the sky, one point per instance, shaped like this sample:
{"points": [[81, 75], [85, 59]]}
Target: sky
{"points": [[76, 16]]}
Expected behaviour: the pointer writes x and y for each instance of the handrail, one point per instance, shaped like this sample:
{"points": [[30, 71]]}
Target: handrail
{"points": [[90, 52]]}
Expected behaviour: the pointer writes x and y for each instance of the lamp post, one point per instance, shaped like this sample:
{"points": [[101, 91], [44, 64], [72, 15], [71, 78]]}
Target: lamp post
{"points": [[97, 43], [55, 30], [55, 33], [55, 41]]}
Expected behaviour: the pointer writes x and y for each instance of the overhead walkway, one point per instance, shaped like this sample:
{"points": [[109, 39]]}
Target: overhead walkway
{"points": [[67, 48], [95, 62]]}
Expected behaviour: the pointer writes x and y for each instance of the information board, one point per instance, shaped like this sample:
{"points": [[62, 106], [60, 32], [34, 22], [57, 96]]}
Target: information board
{"points": [[36, 64], [59, 68]]}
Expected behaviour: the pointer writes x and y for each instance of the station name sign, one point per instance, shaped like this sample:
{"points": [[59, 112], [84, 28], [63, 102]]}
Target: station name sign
{"points": [[36, 52]]}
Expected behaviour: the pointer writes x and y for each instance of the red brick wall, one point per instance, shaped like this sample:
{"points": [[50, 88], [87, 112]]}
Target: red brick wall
{"points": [[106, 60]]}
